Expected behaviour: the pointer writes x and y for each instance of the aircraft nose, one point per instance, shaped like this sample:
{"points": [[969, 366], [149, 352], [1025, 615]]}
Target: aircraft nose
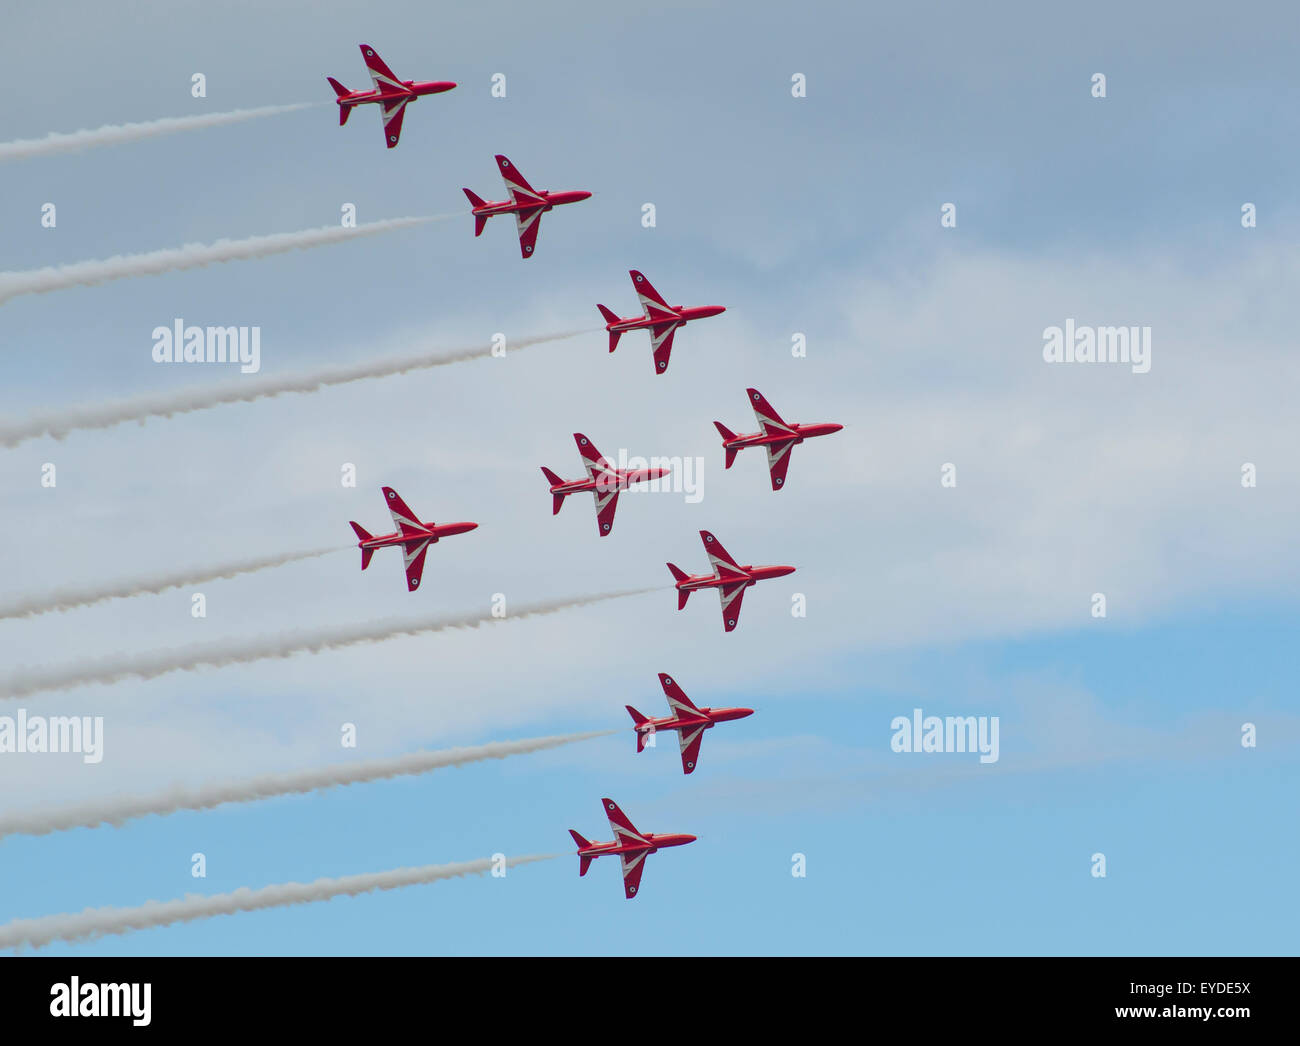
{"points": [[744, 713], [833, 428], [687, 839], [783, 571]]}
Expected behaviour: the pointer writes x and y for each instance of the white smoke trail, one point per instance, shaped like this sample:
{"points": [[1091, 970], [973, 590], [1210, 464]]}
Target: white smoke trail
{"points": [[149, 584], [191, 256], [117, 811], [163, 405], [117, 134], [100, 922], [217, 655]]}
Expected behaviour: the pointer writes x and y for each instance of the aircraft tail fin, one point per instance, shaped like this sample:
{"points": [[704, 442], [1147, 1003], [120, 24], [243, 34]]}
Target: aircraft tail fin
{"points": [[555, 481], [475, 200], [679, 575], [344, 110], [611, 317], [584, 862], [727, 435], [638, 719], [364, 535]]}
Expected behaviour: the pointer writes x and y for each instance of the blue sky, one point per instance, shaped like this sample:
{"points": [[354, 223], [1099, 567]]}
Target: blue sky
{"points": [[818, 215]]}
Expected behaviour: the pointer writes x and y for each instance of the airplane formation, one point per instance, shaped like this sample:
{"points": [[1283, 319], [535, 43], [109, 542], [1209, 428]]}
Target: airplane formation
{"points": [[603, 480]]}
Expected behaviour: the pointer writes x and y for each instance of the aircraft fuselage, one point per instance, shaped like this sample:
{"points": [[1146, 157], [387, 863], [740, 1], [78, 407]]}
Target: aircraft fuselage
{"points": [[682, 315], [551, 199], [619, 481], [429, 533], [414, 89], [798, 434], [653, 843], [707, 718], [753, 575]]}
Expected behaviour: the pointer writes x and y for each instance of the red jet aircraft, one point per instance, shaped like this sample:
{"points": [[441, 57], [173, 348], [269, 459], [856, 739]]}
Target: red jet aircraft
{"points": [[660, 319], [526, 204], [777, 436], [631, 846], [689, 721], [729, 578], [414, 537], [390, 92], [603, 480]]}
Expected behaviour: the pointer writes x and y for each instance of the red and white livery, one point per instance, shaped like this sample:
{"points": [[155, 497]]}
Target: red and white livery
{"points": [[660, 319], [411, 535], [603, 481], [777, 436], [526, 204], [631, 845], [390, 94], [689, 721], [728, 577]]}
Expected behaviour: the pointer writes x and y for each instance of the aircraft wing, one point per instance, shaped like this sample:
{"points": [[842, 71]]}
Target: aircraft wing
{"points": [[690, 739], [383, 78], [678, 702], [768, 419], [414, 552], [592, 459], [404, 519], [731, 595], [720, 559], [633, 866], [661, 341], [626, 832], [517, 185], [606, 506], [651, 300], [530, 223], [392, 117], [778, 461]]}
